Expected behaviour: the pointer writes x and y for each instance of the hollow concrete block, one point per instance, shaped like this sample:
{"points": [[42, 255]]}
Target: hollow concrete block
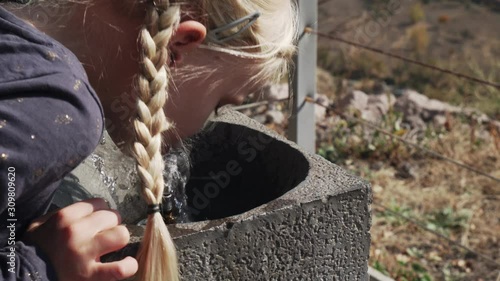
{"points": [[283, 214]]}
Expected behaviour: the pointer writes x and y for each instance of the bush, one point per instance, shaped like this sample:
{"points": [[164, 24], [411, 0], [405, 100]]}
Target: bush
{"points": [[417, 13], [420, 39]]}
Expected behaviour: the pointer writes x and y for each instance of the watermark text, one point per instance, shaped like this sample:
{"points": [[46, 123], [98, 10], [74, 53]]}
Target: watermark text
{"points": [[11, 220]]}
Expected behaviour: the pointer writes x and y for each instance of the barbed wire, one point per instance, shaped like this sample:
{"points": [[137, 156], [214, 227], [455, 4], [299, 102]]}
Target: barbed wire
{"points": [[409, 143], [440, 235], [383, 131], [412, 61], [373, 126], [433, 153]]}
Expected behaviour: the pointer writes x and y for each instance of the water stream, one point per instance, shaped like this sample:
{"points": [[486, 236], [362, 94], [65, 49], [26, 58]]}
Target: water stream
{"points": [[176, 175]]}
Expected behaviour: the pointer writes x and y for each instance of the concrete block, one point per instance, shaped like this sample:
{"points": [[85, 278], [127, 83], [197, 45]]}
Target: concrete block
{"points": [[263, 208]]}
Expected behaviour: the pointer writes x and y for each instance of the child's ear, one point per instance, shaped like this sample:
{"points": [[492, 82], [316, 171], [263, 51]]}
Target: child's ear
{"points": [[188, 36]]}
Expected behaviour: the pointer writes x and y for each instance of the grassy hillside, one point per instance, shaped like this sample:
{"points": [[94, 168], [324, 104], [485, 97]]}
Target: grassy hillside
{"points": [[463, 36], [456, 35]]}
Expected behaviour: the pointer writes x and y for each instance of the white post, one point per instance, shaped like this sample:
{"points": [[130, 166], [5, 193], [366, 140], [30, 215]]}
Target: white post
{"points": [[302, 126]]}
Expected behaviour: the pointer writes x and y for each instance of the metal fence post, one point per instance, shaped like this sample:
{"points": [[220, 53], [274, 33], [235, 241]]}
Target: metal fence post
{"points": [[302, 126]]}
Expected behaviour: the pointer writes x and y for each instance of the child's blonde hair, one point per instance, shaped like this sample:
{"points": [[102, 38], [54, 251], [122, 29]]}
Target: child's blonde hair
{"points": [[157, 257], [270, 42]]}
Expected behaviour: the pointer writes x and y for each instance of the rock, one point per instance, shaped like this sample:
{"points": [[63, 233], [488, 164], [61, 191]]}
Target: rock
{"points": [[261, 118], [378, 106], [320, 110], [380, 87], [415, 122], [439, 121], [371, 115], [273, 111], [354, 100], [414, 103], [275, 116], [382, 102], [419, 109], [275, 92], [407, 171]]}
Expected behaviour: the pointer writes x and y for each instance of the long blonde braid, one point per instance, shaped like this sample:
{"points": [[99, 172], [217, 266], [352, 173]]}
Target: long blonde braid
{"points": [[157, 257]]}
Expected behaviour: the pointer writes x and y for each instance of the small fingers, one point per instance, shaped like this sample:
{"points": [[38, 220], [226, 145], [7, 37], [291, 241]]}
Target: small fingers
{"points": [[111, 240], [118, 270], [40, 220], [101, 220], [71, 214]]}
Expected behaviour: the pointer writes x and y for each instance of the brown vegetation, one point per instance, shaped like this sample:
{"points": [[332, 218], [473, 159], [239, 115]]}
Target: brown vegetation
{"points": [[462, 205]]}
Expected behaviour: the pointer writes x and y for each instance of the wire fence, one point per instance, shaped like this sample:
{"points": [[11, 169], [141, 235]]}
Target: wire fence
{"points": [[422, 226], [412, 144], [399, 57], [383, 131], [422, 64], [402, 58], [399, 138], [333, 36]]}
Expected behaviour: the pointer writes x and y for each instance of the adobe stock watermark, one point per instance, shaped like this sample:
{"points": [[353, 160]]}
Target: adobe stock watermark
{"points": [[11, 219], [248, 149], [123, 106], [46, 14]]}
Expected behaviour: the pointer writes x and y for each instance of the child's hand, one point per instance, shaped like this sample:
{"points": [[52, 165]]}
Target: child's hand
{"points": [[74, 239]]}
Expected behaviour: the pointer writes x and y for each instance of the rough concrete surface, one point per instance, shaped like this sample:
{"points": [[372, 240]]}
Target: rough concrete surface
{"points": [[296, 216]]}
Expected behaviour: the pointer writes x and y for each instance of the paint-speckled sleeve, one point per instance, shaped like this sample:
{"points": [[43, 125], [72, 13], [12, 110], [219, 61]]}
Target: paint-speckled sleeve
{"points": [[50, 121]]}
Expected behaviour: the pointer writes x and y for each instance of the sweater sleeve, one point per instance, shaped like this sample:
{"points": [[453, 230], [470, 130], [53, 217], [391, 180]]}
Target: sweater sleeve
{"points": [[50, 121], [45, 134]]}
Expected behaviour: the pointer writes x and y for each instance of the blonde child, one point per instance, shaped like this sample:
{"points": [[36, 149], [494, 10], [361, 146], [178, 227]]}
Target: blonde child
{"points": [[65, 65]]}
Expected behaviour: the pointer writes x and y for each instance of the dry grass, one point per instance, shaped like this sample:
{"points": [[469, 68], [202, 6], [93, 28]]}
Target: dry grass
{"points": [[417, 13], [467, 202], [455, 202], [458, 203], [419, 38], [360, 65]]}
